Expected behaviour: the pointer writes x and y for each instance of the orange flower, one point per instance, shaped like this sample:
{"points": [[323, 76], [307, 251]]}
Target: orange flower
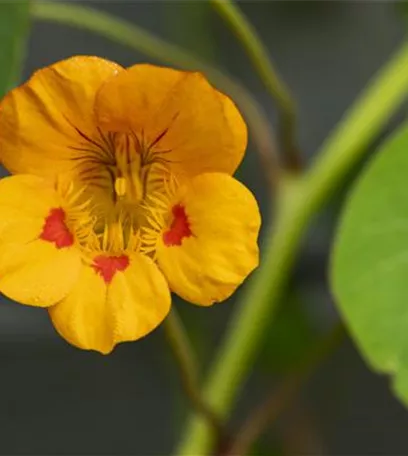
{"points": [[148, 153]]}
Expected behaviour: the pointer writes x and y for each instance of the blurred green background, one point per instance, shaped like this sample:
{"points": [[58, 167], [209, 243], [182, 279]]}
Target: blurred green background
{"points": [[55, 399]]}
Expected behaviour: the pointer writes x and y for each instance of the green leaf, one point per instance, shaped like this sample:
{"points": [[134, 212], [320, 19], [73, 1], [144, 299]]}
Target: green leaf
{"points": [[14, 21], [370, 262]]}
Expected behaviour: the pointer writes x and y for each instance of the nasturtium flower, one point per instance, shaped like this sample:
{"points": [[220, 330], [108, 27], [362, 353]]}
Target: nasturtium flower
{"points": [[121, 192]]}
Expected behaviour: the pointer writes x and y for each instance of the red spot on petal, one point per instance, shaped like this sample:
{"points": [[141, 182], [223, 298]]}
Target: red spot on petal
{"points": [[107, 266], [179, 229], [55, 230]]}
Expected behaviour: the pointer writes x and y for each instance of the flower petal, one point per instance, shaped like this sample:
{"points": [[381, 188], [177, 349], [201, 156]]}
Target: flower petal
{"points": [[179, 115], [33, 271], [44, 119], [25, 201], [97, 315], [38, 274], [210, 245]]}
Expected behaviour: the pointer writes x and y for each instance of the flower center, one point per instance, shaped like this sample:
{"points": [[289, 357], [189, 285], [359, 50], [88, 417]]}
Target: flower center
{"points": [[107, 266], [123, 178], [179, 228], [55, 230]]}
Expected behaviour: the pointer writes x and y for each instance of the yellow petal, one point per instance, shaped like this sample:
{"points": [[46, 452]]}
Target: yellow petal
{"points": [[25, 202], [103, 311], [33, 270], [37, 273], [179, 115], [42, 121], [210, 244]]}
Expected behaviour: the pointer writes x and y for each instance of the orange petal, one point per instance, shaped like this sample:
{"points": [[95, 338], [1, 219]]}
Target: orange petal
{"points": [[37, 273], [25, 202], [179, 115], [210, 244], [113, 303], [44, 119], [37, 267]]}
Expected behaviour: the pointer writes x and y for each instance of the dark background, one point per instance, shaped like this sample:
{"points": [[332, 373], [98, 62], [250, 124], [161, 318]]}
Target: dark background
{"points": [[55, 399]]}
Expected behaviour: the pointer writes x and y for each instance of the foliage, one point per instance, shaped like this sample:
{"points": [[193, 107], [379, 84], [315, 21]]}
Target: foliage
{"points": [[370, 261]]}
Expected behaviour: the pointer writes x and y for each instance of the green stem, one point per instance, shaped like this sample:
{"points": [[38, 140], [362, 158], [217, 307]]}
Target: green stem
{"points": [[259, 56], [139, 39], [300, 200], [185, 358]]}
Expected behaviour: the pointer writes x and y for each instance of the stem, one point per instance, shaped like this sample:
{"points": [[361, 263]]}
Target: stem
{"points": [[299, 201], [259, 56], [139, 39], [281, 397], [185, 358]]}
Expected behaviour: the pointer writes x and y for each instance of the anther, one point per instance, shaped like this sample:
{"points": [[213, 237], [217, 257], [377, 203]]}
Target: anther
{"points": [[120, 186]]}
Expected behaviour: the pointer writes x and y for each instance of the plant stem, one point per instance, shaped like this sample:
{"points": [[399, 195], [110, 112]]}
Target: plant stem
{"points": [[259, 56], [139, 39], [280, 398], [300, 199], [185, 358]]}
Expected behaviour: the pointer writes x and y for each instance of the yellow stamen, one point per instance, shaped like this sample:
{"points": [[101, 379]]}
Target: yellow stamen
{"points": [[120, 186]]}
